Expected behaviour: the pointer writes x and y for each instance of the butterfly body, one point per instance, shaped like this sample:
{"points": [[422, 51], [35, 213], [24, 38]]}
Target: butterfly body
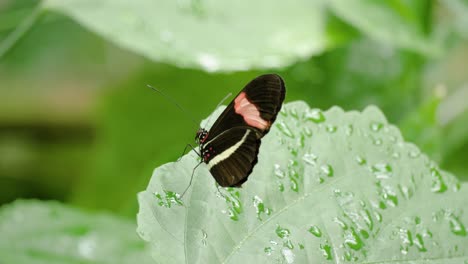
{"points": [[231, 146]]}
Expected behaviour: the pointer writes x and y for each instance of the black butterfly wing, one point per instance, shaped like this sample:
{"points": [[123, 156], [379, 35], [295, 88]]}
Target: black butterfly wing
{"points": [[265, 93], [233, 155]]}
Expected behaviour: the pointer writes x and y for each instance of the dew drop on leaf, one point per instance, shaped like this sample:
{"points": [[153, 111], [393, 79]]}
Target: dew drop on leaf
{"points": [[288, 255], [376, 126], [315, 115], [204, 237], [456, 226], [326, 251], [382, 170], [327, 170], [315, 230], [268, 250], [284, 129], [419, 243], [279, 172], [360, 160], [340, 223], [352, 239], [349, 130], [438, 184], [282, 232], [309, 158], [331, 128]]}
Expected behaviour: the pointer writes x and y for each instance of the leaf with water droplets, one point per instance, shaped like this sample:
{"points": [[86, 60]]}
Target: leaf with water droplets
{"points": [[48, 232], [329, 195], [211, 35]]}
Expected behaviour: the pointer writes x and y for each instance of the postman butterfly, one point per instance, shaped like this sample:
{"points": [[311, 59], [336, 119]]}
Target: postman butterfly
{"points": [[230, 147]]}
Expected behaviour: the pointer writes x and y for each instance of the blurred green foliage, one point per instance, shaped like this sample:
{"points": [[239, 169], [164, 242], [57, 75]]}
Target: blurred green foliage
{"points": [[78, 124]]}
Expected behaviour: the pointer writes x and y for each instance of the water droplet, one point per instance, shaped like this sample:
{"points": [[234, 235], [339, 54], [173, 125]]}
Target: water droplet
{"points": [[288, 244], [377, 142], [293, 113], [331, 128], [314, 115], [284, 128], [170, 198], [279, 172], [352, 239], [360, 160], [293, 184], [309, 158], [348, 256], [382, 170], [307, 131], [288, 255], [260, 207], [419, 243], [367, 217], [376, 126], [293, 150], [414, 153], [405, 191], [378, 216], [390, 197], [327, 170], [326, 251], [315, 230], [406, 237], [404, 250], [300, 142], [417, 220], [438, 184], [282, 232], [349, 130], [204, 237], [280, 186], [232, 199], [456, 226], [340, 223], [293, 174], [364, 233]]}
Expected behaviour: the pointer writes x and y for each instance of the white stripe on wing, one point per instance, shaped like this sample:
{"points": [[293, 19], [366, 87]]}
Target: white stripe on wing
{"points": [[228, 152]]}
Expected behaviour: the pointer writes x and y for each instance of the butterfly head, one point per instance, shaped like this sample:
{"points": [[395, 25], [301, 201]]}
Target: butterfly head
{"points": [[201, 136]]}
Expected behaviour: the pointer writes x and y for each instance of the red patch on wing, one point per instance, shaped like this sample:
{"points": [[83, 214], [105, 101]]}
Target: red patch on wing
{"points": [[249, 112]]}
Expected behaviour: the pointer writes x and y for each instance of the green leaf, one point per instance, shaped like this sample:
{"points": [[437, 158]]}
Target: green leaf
{"points": [[328, 187], [49, 232], [213, 35], [390, 21], [458, 14]]}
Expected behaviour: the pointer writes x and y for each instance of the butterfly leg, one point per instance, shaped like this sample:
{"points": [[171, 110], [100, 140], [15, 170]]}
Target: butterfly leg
{"points": [[185, 150], [191, 178]]}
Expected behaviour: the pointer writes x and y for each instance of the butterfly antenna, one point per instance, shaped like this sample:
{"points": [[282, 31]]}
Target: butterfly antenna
{"points": [[191, 178], [221, 102], [175, 103]]}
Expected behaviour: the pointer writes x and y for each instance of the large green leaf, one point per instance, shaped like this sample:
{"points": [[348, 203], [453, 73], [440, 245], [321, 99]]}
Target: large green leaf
{"points": [[213, 35], [400, 23], [328, 187], [48, 232]]}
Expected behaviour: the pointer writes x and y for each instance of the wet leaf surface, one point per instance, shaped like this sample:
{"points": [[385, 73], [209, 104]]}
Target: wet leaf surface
{"points": [[329, 186]]}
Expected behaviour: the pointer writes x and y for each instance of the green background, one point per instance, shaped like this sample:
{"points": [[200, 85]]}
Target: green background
{"points": [[79, 125]]}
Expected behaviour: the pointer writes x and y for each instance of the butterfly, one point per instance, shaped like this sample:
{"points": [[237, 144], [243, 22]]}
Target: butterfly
{"points": [[230, 147]]}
